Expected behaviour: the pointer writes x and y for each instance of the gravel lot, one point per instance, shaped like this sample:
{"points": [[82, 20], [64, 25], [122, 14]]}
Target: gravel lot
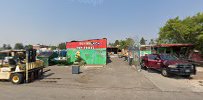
{"points": [[115, 81]]}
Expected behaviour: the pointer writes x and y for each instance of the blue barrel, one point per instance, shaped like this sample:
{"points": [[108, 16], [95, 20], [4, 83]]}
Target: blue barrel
{"points": [[75, 69]]}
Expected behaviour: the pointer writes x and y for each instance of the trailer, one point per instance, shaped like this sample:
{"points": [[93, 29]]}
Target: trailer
{"points": [[18, 70]]}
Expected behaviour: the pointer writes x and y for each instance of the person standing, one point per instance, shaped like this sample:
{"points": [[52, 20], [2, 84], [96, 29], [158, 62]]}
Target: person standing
{"points": [[130, 58], [126, 56]]}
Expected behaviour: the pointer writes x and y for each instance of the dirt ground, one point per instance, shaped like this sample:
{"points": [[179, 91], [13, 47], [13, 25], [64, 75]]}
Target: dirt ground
{"points": [[117, 80]]}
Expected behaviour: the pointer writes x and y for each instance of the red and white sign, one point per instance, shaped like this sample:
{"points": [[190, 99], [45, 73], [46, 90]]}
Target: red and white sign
{"points": [[87, 44]]}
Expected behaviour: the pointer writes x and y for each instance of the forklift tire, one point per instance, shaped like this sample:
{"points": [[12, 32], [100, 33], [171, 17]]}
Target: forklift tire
{"points": [[36, 74], [39, 74], [17, 78], [32, 77]]}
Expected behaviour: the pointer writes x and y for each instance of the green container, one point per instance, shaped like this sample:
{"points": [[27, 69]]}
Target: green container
{"points": [[45, 60], [90, 56], [47, 57]]}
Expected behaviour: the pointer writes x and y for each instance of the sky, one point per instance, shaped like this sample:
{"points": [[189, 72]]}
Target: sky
{"points": [[51, 22]]}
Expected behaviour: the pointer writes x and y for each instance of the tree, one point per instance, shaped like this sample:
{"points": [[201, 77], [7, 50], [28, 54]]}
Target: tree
{"points": [[62, 46], [124, 44], [188, 30], [142, 41], [53, 47], [116, 43], [129, 42], [151, 42], [18, 46], [6, 47], [28, 46], [111, 44]]}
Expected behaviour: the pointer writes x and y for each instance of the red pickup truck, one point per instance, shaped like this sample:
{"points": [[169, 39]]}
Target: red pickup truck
{"points": [[168, 65]]}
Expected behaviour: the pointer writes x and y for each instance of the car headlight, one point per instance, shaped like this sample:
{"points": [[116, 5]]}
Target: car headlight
{"points": [[192, 66], [172, 66]]}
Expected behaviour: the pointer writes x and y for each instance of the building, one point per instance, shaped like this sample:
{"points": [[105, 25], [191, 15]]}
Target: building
{"points": [[113, 50], [91, 51], [5, 53], [40, 47]]}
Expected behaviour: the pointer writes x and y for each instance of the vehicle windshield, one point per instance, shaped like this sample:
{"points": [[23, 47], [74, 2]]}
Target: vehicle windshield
{"points": [[168, 57]]}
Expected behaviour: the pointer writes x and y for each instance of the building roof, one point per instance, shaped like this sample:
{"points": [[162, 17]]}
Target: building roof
{"points": [[7, 51], [146, 45], [85, 40], [174, 45], [112, 47]]}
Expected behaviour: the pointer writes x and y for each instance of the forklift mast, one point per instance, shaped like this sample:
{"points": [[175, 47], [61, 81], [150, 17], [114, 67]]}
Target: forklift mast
{"points": [[30, 58]]}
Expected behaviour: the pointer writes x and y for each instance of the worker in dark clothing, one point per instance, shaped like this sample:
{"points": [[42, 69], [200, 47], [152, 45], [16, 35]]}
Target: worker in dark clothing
{"points": [[130, 58], [126, 56]]}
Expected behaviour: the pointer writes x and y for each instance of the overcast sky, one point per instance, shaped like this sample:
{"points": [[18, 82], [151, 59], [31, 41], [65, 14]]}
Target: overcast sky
{"points": [[54, 21]]}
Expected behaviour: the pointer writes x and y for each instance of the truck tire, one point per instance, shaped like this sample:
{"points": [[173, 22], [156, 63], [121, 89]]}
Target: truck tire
{"points": [[164, 72], [186, 76], [143, 66], [17, 78]]}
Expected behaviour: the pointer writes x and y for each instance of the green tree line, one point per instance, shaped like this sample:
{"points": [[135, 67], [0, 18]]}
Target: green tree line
{"points": [[19, 46], [123, 44], [187, 30]]}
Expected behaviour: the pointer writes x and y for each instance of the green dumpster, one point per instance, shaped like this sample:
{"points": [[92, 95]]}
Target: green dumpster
{"points": [[47, 57]]}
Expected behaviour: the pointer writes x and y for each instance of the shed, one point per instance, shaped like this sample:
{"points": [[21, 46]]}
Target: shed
{"points": [[113, 50], [179, 50]]}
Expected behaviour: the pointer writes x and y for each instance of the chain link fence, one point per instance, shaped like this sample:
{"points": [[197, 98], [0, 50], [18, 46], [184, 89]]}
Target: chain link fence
{"points": [[135, 50]]}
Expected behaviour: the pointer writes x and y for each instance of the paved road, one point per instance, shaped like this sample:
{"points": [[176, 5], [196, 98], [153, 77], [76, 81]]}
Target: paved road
{"points": [[116, 81]]}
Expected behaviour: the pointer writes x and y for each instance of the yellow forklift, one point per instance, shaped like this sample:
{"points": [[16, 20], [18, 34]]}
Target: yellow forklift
{"points": [[20, 66]]}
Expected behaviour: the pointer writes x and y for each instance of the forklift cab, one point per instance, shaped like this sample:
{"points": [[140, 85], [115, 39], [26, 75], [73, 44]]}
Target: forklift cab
{"points": [[10, 58]]}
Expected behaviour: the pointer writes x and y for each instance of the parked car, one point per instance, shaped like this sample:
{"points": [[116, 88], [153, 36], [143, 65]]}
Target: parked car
{"points": [[168, 65]]}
